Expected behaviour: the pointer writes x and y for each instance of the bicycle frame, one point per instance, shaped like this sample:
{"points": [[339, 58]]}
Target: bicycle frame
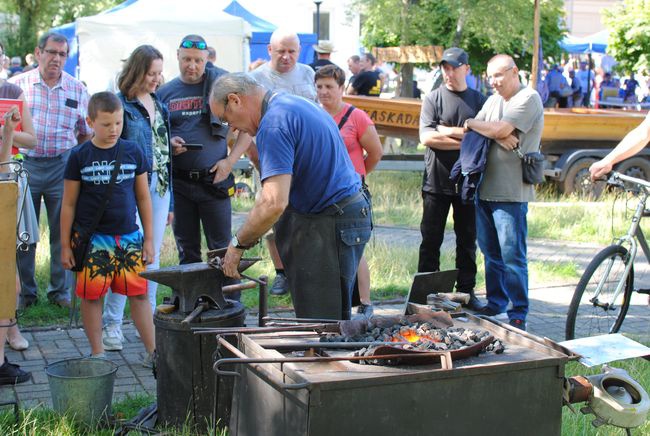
{"points": [[633, 234]]}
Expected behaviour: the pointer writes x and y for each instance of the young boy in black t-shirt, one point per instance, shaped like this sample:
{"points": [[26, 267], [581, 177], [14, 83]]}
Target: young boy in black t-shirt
{"points": [[118, 251]]}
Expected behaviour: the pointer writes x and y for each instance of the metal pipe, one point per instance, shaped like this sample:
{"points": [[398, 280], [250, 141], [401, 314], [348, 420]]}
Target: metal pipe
{"points": [[263, 305]]}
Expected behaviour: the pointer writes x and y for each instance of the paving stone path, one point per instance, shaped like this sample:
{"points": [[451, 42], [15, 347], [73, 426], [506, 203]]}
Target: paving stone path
{"points": [[548, 306]]}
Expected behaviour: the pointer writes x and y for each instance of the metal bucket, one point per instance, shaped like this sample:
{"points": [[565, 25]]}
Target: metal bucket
{"points": [[82, 387]]}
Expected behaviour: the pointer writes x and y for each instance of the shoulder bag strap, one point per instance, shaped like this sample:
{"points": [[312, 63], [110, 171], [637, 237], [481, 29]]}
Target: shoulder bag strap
{"points": [[346, 116], [109, 190]]}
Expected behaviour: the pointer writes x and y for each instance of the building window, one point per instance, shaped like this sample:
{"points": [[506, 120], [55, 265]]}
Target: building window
{"points": [[324, 25]]}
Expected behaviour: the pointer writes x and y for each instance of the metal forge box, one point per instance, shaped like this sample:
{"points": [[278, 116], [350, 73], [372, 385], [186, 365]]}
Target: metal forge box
{"points": [[513, 393]]}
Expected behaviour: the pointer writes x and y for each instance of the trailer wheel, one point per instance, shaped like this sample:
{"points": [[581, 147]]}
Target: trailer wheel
{"points": [[635, 167], [577, 180]]}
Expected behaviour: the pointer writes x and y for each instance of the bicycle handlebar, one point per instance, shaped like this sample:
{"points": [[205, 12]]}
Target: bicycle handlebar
{"points": [[615, 176]]}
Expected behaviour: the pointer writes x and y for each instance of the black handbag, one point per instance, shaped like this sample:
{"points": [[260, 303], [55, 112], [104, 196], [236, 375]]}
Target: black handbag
{"points": [[532, 167], [80, 236]]}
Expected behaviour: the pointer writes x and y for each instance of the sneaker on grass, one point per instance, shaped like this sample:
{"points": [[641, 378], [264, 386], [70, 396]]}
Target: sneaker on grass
{"points": [[112, 337]]}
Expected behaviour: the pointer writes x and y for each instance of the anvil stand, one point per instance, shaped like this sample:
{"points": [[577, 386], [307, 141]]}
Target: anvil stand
{"points": [[196, 288]]}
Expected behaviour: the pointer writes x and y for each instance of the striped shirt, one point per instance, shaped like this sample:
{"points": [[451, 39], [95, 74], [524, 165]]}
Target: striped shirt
{"points": [[59, 113]]}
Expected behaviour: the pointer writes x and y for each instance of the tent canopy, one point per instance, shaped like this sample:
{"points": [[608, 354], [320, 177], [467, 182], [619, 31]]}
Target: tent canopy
{"points": [[105, 39], [70, 32], [596, 43], [257, 23], [262, 31]]}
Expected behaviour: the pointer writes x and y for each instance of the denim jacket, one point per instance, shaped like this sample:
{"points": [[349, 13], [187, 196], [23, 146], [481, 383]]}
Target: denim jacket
{"points": [[137, 128]]}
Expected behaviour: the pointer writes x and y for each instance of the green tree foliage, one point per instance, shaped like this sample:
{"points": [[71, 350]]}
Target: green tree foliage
{"points": [[482, 27], [38, 16], [629, 34]]}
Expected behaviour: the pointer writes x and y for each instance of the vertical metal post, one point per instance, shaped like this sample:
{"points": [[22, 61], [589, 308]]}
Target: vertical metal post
{"points": [[263, 300], [317, 3]]}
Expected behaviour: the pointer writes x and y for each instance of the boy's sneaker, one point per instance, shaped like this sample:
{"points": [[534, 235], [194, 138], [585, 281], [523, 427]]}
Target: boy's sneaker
{"points": [[11, 374], [519, 323], [149, 360], [112, 337], [364, 311]]}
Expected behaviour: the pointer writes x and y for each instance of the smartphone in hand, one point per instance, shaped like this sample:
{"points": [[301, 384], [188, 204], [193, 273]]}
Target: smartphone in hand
{"points": [[193, 146]]}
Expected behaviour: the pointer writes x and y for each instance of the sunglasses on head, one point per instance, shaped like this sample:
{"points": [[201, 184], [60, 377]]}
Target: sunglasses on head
{"points": [[194, 44]]}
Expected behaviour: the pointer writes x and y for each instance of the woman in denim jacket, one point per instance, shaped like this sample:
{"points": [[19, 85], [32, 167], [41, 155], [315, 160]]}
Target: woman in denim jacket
{"points": [[146, 122]]}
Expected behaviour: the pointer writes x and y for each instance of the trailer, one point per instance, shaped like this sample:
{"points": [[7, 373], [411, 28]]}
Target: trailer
{"points": [[572, 139]]}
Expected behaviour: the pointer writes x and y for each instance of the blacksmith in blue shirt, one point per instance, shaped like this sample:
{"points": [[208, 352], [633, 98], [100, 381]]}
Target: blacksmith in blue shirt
{"points": [[310, 194]]}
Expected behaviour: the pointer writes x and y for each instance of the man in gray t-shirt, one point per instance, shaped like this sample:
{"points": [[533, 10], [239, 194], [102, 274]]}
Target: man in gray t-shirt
{"points": [[283, 73], [512, 118]]}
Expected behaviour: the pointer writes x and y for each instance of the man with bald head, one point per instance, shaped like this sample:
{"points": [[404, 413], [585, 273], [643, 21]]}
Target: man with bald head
{"points": [[284, 72], [513, 118]]}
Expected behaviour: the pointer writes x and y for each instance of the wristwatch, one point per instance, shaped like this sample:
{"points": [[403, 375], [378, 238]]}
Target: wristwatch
{"points": [[235, 243]]}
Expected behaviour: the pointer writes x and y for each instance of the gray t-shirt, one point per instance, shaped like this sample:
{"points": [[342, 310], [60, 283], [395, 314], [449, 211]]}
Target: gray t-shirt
{"points": [[502, 180], [299, 81], [189, 118]]}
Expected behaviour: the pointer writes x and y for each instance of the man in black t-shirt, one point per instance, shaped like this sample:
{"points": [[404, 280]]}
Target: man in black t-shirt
{"points": [[323, 50], [368, 81], [444, 111], [201, 165]]}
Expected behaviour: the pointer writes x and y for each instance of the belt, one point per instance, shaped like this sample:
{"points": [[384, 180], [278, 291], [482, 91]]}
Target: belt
{"points": [[337, 208], [191, 175], [43, 158]]}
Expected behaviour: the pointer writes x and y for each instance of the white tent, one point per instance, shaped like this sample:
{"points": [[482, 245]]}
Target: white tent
{"points": [[106, 39]]}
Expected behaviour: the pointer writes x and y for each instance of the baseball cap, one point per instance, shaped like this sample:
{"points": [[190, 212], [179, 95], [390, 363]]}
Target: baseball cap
{"points": [[455, 57]]}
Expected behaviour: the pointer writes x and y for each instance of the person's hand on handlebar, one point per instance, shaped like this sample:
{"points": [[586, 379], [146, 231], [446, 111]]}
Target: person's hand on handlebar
{"points": [[598, 170]]}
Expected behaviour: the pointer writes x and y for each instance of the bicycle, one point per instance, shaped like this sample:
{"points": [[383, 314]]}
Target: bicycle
{"points": [[602, 297]]}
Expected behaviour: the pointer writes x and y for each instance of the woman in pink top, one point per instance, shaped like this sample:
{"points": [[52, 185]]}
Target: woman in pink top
{"points": [[361, 139]]}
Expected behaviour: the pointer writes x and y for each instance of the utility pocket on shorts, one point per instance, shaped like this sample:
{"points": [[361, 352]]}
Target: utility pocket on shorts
{"points": [[356, 236]]}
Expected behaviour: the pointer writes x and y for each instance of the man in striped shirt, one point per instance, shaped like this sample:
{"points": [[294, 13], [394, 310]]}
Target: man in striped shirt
{"points": [[58, 103]]}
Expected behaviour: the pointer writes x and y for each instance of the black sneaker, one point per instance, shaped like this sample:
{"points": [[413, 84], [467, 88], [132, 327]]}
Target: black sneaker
{"points": [[25, 302], [280, 284], [488, 311], [474, 304], [519, 323], [11, 374]]}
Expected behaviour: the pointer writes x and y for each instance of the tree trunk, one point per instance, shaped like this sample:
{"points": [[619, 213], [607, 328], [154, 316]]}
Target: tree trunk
{"points": [[406, 85]]}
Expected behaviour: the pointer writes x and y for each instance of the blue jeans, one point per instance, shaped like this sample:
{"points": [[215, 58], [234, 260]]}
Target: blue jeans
{"points": [[502, 231], [114, 304]]}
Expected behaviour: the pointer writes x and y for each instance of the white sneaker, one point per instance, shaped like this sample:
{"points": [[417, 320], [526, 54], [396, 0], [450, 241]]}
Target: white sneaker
{"points": [[112, 337]]}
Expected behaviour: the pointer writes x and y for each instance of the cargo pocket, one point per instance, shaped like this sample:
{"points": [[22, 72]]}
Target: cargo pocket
{"points": [[355, 236]]}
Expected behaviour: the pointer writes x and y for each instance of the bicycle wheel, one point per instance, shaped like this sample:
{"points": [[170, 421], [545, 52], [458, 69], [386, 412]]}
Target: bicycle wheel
{"points": [[591, 314]]}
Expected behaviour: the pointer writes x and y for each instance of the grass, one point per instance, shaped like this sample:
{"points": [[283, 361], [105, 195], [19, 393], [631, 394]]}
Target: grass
{"points": [[46, 422]]}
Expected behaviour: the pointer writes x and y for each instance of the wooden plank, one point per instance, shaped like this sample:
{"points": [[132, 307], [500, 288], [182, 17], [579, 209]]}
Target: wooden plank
{"points": [[8, 204]]}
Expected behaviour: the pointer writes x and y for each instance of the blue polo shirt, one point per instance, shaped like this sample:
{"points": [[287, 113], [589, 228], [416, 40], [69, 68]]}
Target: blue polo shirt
{"points": [[297, 137]]}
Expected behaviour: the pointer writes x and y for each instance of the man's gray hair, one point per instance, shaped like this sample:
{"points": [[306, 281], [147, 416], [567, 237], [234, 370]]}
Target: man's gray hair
{"points": [[233, 83]]}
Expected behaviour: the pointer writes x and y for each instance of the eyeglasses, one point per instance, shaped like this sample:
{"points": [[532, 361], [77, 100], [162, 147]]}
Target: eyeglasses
{"points": [[54, 53], [225, 109], [194, 44], [499, 76]]}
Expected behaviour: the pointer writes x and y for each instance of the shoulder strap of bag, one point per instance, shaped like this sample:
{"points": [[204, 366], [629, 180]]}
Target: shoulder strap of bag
{"points": [[109, 190], [346, 116]]}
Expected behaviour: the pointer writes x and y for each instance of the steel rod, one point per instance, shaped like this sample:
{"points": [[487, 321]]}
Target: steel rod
{"points": [[302, 320], [238, 287], [334, 345], [263, 305], [251, 330]]}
